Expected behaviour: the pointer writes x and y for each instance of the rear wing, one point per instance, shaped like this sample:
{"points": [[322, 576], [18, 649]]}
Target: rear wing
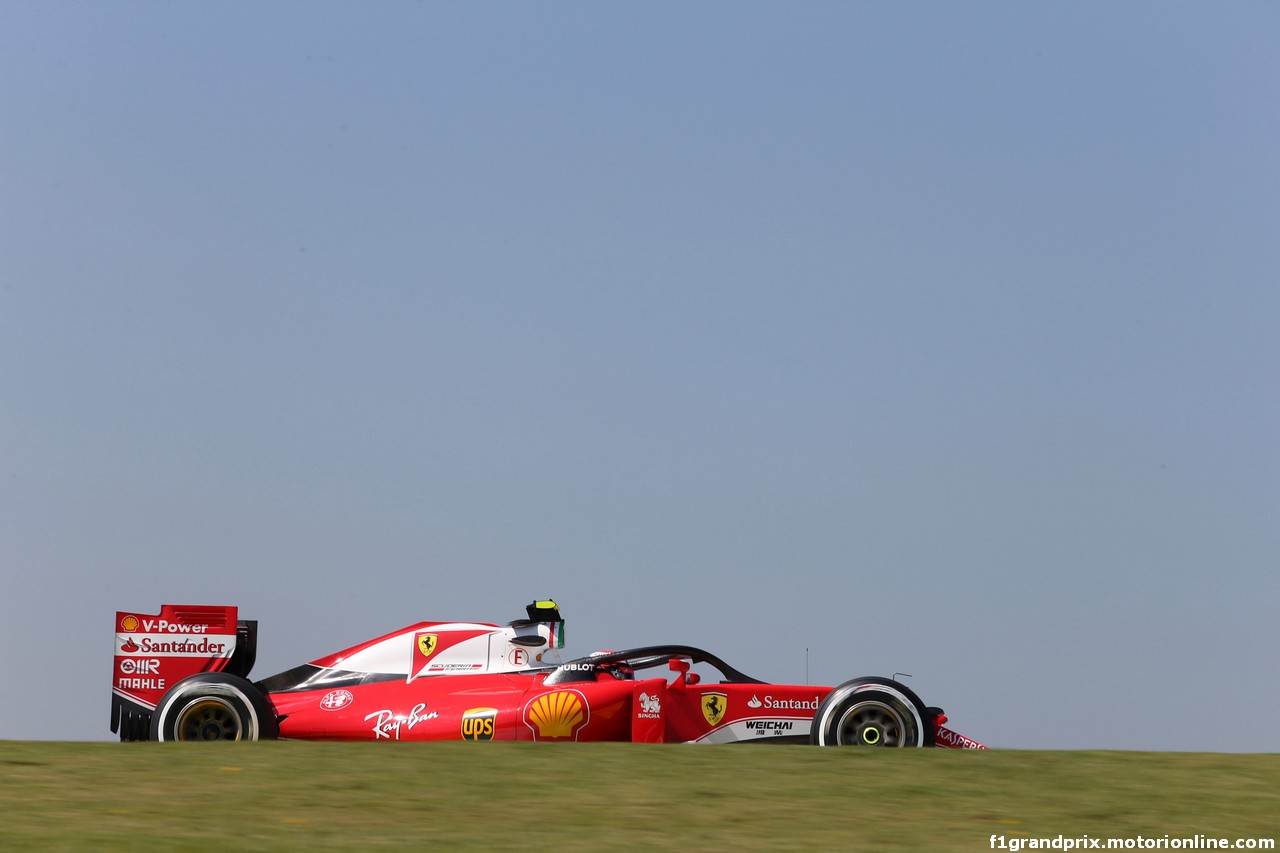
{"points": [[153, 652]]}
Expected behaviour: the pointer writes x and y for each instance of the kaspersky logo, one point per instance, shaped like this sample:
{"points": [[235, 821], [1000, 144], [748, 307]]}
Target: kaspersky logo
{"points": [[714, 706], [560, 715]]}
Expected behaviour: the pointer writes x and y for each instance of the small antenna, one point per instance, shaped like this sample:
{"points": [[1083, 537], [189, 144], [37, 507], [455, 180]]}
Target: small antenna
{"points": [[806, 665], [903, 674]]}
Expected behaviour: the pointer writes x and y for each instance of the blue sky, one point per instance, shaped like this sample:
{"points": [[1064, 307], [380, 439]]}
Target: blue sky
{"points": [[931, 337]]}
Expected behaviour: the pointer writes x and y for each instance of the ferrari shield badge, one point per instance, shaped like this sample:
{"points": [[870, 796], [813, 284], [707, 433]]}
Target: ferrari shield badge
{"points": [[424, 645], [713, 707]]}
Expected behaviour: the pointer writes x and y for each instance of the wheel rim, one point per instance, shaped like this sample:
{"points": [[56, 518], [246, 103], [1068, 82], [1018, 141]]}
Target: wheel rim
{"points": [[871, 724], [208, 719]]}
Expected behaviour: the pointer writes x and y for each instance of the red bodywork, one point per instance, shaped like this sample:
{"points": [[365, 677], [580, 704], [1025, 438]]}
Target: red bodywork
{"points": [[524, 707], [471, 681]]}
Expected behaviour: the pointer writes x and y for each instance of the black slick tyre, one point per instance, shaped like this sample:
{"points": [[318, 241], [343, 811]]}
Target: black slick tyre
{"points": [[214, 706], [872, 712]]}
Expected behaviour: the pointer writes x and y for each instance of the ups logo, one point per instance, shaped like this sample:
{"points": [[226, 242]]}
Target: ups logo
{"points": [[477, 724]]}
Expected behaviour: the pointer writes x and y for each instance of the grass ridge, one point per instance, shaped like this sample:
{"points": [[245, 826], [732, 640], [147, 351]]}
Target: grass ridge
{"points": [[566, 797]]}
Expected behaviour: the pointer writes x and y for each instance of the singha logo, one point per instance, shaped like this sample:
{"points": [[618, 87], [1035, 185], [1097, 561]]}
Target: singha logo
{"points": [[650, 704]]}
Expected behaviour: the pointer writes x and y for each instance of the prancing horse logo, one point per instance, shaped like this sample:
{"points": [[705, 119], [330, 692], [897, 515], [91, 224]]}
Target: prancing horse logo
{"points": [[427, 644], [713, 707]]}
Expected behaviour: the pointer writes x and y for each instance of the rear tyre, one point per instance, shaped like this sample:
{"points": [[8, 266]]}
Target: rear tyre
{"points": [[871, 712], [214, 706]]}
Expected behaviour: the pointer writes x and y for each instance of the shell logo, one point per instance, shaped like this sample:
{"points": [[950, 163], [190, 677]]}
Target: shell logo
{"points": [[557, 716], [129, 623]]}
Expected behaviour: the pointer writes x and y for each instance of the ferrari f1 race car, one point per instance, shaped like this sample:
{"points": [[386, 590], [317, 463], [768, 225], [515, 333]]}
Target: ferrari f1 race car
{"points": [[182, 674]]}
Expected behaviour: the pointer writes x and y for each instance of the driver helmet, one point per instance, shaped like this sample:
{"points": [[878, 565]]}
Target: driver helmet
{"points": [[618, 669]]}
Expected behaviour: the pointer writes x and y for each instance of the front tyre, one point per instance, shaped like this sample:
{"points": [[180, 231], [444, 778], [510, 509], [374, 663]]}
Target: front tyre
{"points": [[214, 706], [871, 712]]}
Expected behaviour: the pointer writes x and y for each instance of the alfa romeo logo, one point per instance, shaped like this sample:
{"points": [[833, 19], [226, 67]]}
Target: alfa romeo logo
{"points": [[336, 699]]}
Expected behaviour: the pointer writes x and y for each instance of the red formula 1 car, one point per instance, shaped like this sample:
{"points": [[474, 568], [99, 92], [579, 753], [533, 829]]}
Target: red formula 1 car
{"points": [[182, 674]]}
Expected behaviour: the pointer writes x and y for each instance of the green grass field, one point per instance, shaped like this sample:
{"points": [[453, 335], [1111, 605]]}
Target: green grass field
{"points": [[461, 796]]}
